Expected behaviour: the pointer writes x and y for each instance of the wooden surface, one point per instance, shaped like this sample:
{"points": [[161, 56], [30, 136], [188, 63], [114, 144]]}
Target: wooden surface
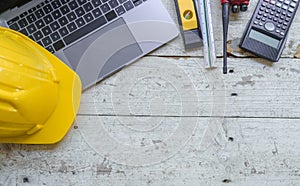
{"points": [[165, 120]]}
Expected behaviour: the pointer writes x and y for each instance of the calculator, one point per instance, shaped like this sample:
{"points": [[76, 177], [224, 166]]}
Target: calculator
{"points": [[266, 32]]}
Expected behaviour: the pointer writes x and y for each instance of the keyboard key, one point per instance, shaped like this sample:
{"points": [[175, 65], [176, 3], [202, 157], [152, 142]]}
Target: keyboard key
{"points": [[13, 20], [81, 2], [96, 13], [85, 30], [71, 27], [39, 24], [31, 10], [24, 31], [65, 9], [122, 1], [50, 49], [47, 9], [46, 30], [55, 36], [14, 26], [80, 22], [120, 10], [63, 31], [88, 7], [128, 5], [96, 3], [38, 35], [79, 12], [46, 41], [113, 3], [40, 5], [137, 2], [23, 14], [71, 16], [31, 29], [64, 1], [110, 15], [56, 14], [39, 13], [73, 5], [58, 45], [48, 19], [63, 21], [54, 26], [31, 18], [88, 17], [56, 4], [22, 23], [105, 8]]}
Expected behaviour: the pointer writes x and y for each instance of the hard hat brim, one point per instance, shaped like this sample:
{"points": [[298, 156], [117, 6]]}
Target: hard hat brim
{"points": [[65, 112]]}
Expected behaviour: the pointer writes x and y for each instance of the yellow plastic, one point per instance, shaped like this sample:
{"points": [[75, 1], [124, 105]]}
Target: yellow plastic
{"points": [[187, 14], [39, 94]]}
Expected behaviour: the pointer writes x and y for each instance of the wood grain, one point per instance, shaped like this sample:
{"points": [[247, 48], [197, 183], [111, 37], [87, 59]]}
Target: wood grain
{"points": [[248, 121]]}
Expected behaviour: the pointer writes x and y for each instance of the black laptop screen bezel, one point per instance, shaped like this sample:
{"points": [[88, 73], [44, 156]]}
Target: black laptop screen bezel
{"points": [[8, 4]]}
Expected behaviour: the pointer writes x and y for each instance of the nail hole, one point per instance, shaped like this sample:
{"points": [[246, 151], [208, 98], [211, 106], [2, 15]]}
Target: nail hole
{"points": [[234, 94], [226, 181], [75, 127], [230, 139], [25, 180], [231, 71]]}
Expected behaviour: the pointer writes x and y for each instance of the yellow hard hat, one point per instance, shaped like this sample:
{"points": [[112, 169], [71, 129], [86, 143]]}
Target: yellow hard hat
{"points": [[39, 94]]}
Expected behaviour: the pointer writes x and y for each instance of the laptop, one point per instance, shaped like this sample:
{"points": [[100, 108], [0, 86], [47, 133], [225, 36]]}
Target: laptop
{"points": [[94, 37]]}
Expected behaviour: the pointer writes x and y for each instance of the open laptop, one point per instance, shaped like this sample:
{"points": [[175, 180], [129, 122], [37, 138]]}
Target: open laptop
{"points": [[94, 37]]}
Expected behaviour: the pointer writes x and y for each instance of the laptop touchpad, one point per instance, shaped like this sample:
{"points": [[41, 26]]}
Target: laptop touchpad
{"points": [[103, 52]]}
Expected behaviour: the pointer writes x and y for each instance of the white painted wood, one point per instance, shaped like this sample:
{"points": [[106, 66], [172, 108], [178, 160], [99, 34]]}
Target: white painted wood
{"points": [[257, 143], [250, 151]]}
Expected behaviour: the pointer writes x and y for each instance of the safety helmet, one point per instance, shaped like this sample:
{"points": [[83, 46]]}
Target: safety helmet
{"points": [[39, 94]]}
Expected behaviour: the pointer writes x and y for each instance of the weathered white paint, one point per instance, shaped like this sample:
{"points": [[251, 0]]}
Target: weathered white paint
{"points": [[258, 142]]}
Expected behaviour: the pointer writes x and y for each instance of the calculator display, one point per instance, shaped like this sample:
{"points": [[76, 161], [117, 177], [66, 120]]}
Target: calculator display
{"points": [[267, 30], [258, 36]]}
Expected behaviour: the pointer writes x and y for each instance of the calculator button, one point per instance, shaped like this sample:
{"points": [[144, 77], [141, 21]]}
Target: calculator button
{"points": [[278, 4], [261, 24], [280, 21], [255, 22], [258, 17], [291, 9], [278, 25], [263, 19], [282, 33], [277, 15], [287, 2], [277, 31], [272, 13], [284, 7], [269, 26], [293, 4], [265, 15], [285, 23], [289, 15], [272, 2], [283, 27], [275, 19]]}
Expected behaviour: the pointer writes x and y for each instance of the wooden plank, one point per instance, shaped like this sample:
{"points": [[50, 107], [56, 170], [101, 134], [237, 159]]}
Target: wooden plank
{"points": [[248, 151], [256, 88], [237, 26]]}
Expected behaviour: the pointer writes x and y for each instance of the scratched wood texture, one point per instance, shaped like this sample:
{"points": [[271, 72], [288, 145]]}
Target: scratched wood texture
{"points": [[248, 120]]}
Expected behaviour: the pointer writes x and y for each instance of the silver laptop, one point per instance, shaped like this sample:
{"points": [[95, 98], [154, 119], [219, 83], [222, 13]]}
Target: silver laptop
{"points": [[94, 37]]}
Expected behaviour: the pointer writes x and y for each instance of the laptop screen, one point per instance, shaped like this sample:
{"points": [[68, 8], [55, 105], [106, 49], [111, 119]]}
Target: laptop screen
{"points": [[7, 4]]}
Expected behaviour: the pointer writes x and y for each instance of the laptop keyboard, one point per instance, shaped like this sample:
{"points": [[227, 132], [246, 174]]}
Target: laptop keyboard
{"points": [[55, 24]]}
